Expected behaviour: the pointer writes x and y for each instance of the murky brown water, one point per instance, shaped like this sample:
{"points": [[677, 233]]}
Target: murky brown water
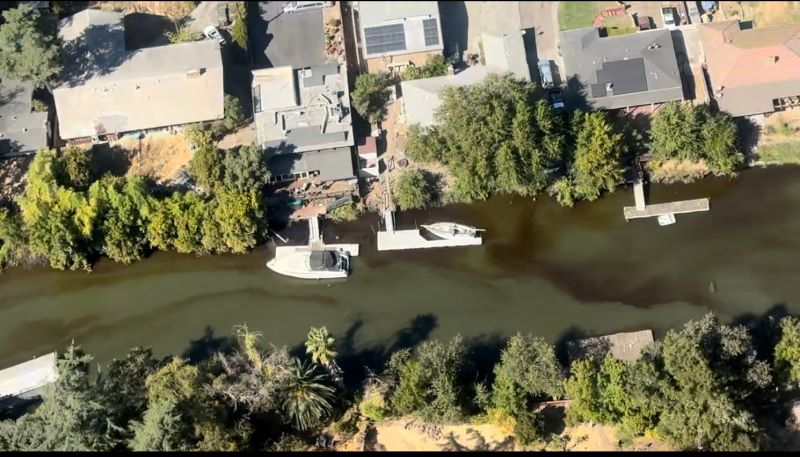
{"points": [[548, 270]]}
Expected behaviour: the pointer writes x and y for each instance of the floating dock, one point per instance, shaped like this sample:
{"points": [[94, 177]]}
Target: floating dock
{"points": [[27, 378], [681, 207], [642, 210], [315, 242], [397, 240]]}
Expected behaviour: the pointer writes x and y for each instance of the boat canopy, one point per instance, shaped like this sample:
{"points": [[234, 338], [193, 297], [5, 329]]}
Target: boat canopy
{"points": [[324, 260]]}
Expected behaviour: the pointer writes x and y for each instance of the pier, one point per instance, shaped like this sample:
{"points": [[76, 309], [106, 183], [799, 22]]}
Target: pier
{"points": [[28, 378], [397, 240], [642, 210], [315, 242]]}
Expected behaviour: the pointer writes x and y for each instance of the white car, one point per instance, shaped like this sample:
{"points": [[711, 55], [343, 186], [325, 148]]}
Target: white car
{"points": [[211, 32], [295, 6], [668, 16]]}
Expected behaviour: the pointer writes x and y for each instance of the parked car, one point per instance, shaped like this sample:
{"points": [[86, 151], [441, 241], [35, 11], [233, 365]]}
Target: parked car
{"points": [[212, 33], [546, 73], [293, 7], [668, 16], [556, 99]]}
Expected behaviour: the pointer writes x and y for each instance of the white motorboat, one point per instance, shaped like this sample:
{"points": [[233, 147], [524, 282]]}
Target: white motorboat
{"points": [[666, 219], [451, 230], [306, 263]]}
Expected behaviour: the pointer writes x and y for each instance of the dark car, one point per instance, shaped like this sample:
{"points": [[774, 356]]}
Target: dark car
{"points": [[556, 99]]}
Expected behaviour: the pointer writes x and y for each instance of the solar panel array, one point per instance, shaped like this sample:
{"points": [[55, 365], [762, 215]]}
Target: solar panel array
{"points": [[431, 32], [385, 38]]}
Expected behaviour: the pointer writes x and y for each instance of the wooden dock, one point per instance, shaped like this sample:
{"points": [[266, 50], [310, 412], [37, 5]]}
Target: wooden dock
{"points": [[397, 240], [659, 209]]}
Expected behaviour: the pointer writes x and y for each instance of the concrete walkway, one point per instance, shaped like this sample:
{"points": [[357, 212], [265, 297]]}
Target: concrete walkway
{"points": [[204, 14]]}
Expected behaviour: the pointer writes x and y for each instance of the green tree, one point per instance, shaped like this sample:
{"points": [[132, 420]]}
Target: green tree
{"points": [[12, 239], [245, 170], [787, 351], [598, 153], [371, 95], [233, 113], [427, 380], [719, 137], [161, 429], [28, 48], [207, 168], [308, 400], [528, 369], [320, 346], [411, 190], [124, 217], [239, 29], [493, 137], [234, 222], [69, 418], [676, 132], [76, 168], [59, 221], [434, 66], [121, 386]]}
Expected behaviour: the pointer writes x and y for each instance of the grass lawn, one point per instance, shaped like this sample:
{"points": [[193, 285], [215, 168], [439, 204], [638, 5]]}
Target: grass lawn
{"points": [[762, 13], [784, 152], [619, 25], [576, 15]]}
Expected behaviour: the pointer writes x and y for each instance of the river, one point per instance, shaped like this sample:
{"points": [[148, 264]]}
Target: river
{"points": [[556, 272]]}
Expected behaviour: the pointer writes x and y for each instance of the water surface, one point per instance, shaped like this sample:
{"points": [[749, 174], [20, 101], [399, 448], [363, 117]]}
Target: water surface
{"points": [[544, 269]]}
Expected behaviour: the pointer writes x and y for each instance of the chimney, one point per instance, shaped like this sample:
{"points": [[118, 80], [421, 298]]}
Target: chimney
{"points": [[609, 89], [195, 72], [772, 59]]}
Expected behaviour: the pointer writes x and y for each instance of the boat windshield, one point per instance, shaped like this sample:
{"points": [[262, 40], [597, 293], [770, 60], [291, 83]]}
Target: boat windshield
{"points": [[324, 260]]}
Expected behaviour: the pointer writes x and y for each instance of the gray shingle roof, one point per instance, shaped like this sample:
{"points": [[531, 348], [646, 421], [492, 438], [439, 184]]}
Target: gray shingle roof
{"points": [[332, 164], [22, 131], [622, 71]]}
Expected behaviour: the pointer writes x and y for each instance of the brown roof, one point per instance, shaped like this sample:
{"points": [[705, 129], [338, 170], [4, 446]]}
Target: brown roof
{"points": [[752, 66]]}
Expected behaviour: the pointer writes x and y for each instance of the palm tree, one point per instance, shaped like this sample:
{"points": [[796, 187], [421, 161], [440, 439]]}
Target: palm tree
{"points": [[307, 400], [319, 344]]}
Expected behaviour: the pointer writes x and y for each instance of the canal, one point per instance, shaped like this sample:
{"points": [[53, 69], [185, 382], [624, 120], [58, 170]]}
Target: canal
{"points": [[556, 272]]}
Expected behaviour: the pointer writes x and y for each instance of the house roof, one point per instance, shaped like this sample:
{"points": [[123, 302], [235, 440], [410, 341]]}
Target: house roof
{"points": [[752, 66], [316, 115], [622, 71], [395, 28], [332, 164], [106, 89], [506, 52], [22, 131]]}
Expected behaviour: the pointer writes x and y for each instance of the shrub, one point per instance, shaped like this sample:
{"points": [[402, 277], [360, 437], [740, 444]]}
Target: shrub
{"points": [[412, 190]]}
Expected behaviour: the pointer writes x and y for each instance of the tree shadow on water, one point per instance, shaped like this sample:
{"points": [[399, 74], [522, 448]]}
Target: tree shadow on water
{"points": [[356, 363], [207, 345]]}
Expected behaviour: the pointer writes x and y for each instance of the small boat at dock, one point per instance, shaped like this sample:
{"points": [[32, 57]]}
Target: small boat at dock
{"points": [[451, 230], [666, 219], [307, 263]]}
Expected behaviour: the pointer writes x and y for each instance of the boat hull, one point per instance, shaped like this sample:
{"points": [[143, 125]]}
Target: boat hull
{"points": [[297, 265], [451, 231]]}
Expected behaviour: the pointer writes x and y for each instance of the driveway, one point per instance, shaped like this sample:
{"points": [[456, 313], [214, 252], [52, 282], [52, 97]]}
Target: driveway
{"points": [[204, 14], [278, 38], [543, 18]]}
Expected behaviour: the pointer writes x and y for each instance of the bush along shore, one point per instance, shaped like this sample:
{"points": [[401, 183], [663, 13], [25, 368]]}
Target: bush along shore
{"points": [[706, 386], [71, 213]]}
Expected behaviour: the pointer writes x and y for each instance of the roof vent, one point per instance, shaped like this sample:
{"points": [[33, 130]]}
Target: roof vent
{"points": [[195, 72], [772, 59]]}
